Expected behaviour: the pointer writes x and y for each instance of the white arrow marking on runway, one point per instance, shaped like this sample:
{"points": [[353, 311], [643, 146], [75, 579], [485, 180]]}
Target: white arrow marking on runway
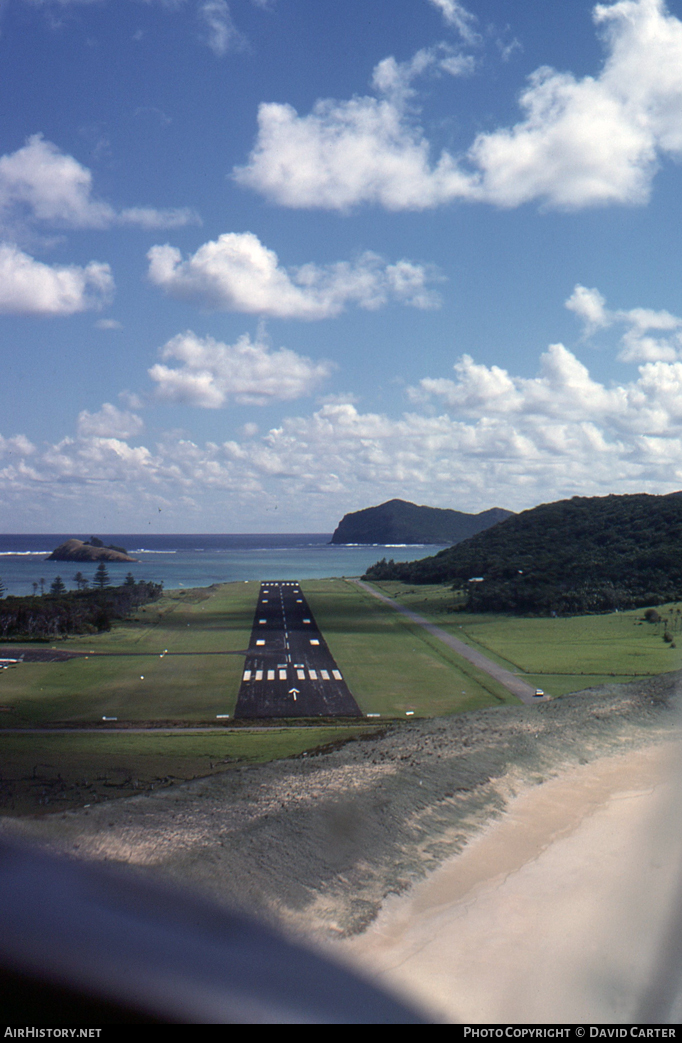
{"points": [[294, 692]]}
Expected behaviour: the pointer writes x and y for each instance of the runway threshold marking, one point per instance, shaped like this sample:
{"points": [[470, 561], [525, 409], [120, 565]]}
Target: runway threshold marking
{"points": [[289, 632]]}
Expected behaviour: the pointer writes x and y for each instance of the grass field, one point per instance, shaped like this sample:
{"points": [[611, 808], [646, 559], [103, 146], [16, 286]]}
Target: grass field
{"points": [[558, 655], [393, 667], [129, 676]]}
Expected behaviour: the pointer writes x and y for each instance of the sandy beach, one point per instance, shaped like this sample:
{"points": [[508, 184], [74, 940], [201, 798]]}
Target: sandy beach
{"points": [[556, 913], [512, 864]]}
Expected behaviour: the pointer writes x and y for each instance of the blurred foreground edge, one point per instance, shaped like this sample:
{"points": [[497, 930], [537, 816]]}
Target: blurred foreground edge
{"points": [[82, 943]]}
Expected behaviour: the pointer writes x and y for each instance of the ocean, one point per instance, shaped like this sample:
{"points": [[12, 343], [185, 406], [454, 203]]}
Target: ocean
{"points": [[197, 560]]}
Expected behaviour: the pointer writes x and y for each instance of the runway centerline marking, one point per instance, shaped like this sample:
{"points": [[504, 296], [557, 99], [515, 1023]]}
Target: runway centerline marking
{"points": [[289, 632]]}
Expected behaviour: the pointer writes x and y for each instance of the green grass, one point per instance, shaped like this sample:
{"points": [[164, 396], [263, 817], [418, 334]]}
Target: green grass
{"points": [[559, 655], [391, 665], [43, 773], [210, 619], [134, 689], [129, 677]]}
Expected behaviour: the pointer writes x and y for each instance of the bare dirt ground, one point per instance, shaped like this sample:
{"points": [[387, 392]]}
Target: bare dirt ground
{"points": [[318, 842]]}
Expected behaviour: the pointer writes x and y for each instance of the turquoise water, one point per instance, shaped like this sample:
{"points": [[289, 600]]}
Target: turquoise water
{"points": [[197, 560]]}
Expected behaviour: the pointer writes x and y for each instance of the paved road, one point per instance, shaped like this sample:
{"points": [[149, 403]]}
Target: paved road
{"points": [[289, 670], [510, 681]]}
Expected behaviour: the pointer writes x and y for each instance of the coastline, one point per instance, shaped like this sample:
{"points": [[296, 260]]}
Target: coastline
{"points": [[198, 560], [557, 912]]}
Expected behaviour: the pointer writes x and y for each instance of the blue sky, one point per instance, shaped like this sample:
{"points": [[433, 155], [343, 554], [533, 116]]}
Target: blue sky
{"points": [[268, 261]]}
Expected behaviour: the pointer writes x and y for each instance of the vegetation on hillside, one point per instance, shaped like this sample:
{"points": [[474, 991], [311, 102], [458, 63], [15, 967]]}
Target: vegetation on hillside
{"points": [[398, 521], [587, 554]]}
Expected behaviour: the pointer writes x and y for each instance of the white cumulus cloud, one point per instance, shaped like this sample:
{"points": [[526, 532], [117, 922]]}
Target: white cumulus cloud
{"points": [[348, 152], [563, 393], [19, 446], [211, 373], [29, 287], [588, 141], [237, 272], [109, 422], [590, 306], [39, 183], [498, 438], [649, 336]]}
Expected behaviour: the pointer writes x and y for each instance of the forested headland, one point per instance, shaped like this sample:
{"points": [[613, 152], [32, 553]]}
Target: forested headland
{"points": [[586, 554], [398, 521]]}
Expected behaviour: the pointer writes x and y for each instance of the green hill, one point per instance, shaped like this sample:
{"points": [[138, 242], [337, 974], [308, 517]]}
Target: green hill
{"points": [[398, 521], [587, 554]]}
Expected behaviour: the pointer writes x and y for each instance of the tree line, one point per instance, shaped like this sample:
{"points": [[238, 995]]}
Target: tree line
{"points": [[587, 554], [85, 610]]}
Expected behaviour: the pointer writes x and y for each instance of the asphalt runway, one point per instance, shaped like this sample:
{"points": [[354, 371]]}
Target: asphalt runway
{"points": [[289, 670]]}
